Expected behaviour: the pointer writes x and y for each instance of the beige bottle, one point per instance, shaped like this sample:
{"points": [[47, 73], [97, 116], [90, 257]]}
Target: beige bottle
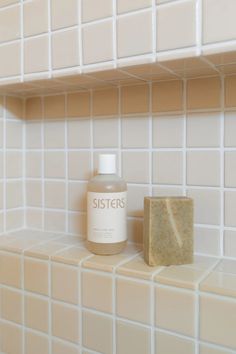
{"points": [[106, 209]]}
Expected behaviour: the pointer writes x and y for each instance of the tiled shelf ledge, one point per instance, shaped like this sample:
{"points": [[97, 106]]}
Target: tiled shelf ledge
{"points": [[56, 297], [139, 71]]}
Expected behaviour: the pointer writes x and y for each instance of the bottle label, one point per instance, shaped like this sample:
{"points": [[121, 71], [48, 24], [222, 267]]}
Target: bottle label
{"points": [[106, 217]]}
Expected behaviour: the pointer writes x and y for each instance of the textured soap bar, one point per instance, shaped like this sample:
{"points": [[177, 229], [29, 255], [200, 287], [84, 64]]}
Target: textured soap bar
{"points": [[168, 230]]}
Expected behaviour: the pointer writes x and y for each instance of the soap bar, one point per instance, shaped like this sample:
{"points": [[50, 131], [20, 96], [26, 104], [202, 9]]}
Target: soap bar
{"points": [[168, 230]]}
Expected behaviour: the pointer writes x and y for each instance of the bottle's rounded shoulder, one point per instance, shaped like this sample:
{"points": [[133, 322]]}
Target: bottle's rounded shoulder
{"points": [[107, 184]]}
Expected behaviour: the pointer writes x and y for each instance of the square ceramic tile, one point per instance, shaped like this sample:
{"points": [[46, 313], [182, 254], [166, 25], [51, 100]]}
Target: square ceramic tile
{"points": [[33, 135], [203, 93], [36, 313], [14, 107], [164, 191], [64, 14], [11, 305], [230, 208], [35, 17], [33, 108], [111, 138], [230, 129], [135, 167], [11, 59], [65, 49], [97, 292], [33, 164], [167, 167], [182, 32], [92, 12], [207, 241], [198, 127], [167, 96], [14, 219], [133, 300], [136, 196], [168, 131], [14, 135], [64, 283], [211, 12], [132, 338], [79, 165], [230, 169], [9, 331], [36, 55], [54, 164], [65, 322], [55, 221], [230, 84], [13, 164], [105, 102], [35, 343], [169, 310], [77, 192], [215, 315], [54, 107], [59, 347], [207, 205], [78, 104], [55, 195], [135, 99], [54, 135], [78, 134], [203, 168], [10, 24], [135, 132], [97, 332], [135, 29], [205, 349], [230, 243], [14, 195], [93, 36], [129, 5], [34, 193], [169, 343]]}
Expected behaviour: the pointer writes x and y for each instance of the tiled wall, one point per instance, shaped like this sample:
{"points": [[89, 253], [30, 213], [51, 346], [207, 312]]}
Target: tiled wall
{"points": [[11, 163], [45, 38]]}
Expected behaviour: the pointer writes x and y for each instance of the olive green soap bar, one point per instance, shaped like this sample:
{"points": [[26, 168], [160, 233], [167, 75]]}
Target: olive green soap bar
{"points": [[168, 230]]}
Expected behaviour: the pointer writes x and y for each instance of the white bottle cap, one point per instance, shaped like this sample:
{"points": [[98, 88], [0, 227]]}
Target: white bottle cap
{"points": [[107, 164]]}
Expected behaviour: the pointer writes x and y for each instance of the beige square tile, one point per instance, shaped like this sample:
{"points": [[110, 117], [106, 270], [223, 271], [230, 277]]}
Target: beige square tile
{"points": [[203, 168], [36, 275], [135, 99], [230, 243], [78, 104], [34, 193], [11, 305], [64, 283], [14, 164], [169, 310], [10, 24], [211, 12], [34, 218], [220, 283], [79, 165], [54, 164], [64, 14], [207, 241], [36, 55], [10, 270], [230, 129], [78, 134], [182, 34], [11, 59], [198, 127], [65, 322], [137, 268], [168, 343], [8, 2], [203, 93], [97, 291], [59, 347], [111, 138], [215, 315], [230, 208], [33, 108], [14, 132], [55, 221], [129, 5], [168, 131], [77, 196], [93, 36], [72, 256], [54, 106], [14, 107], [230, 85], [135, 167], [167, 168], [14, 194], [33, 135], [132, 338], [55, 195], [14, 219], [230, 170], [97, 332], [54, 135], [167, 96], [207, 205], [135, 132], [135, 29], [136, 196], [105, 102], [36, 344], [77, 224], [92, 12], [35, 17], [33, 164], [133, 300], [205, 349], [36, 313], [9, 331], [65, 49]]}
